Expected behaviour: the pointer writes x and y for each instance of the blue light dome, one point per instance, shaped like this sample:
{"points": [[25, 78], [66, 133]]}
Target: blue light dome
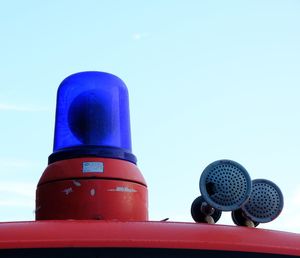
{"points": [[92, 118]]}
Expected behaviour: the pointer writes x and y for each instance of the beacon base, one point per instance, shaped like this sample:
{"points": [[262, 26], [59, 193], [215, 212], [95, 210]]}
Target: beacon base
{"points": [[92, 188]]}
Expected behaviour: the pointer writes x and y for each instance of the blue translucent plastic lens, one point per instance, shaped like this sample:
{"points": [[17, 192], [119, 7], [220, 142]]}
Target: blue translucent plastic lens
{"points": [[92, 110], [88, 119]]}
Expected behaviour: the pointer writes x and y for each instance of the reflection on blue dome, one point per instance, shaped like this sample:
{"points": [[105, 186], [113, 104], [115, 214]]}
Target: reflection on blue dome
{"points": [[88, 120], [92, 116]]}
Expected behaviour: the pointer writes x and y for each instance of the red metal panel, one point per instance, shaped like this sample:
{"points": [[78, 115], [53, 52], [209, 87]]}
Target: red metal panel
{"points": [[92, 199], [42, 234]]}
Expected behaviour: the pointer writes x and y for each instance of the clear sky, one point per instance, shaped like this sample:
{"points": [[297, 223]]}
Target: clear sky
{"points": [[207, 80]]}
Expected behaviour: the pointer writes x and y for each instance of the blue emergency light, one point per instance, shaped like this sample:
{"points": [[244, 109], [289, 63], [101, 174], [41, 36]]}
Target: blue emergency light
{"points": [[92, 118]]}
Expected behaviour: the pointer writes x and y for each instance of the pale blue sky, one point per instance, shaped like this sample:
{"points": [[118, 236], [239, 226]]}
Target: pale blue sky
{"points": [[207, 80]]}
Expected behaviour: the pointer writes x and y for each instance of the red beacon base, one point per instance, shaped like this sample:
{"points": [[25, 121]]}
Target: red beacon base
{"points": [[92, 188]]}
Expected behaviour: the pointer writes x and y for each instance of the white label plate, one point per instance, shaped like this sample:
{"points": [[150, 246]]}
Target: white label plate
{"points": [[92, 167]]}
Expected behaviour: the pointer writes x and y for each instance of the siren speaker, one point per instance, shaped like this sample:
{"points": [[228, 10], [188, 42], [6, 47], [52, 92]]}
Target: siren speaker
{"points": [[239, 218], [199, 215], [264, 205], [225, 185]]}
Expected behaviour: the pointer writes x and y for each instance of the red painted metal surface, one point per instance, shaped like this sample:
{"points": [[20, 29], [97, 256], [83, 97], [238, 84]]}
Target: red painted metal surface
{"points": [[72, 168], [92, 199], [59, 234], [65, 191]]}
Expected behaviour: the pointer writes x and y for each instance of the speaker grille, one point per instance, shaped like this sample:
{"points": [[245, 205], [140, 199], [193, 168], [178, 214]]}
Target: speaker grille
{"points": [[225, 185], [265, 202]]}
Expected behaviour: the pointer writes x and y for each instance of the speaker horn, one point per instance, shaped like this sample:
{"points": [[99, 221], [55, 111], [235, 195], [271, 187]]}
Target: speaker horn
{"points": [[264, 205], [225, 185], [202, 212]]}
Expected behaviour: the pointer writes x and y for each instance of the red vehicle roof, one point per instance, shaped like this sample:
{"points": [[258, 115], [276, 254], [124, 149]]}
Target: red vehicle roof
{"points": [[65, 234]]}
